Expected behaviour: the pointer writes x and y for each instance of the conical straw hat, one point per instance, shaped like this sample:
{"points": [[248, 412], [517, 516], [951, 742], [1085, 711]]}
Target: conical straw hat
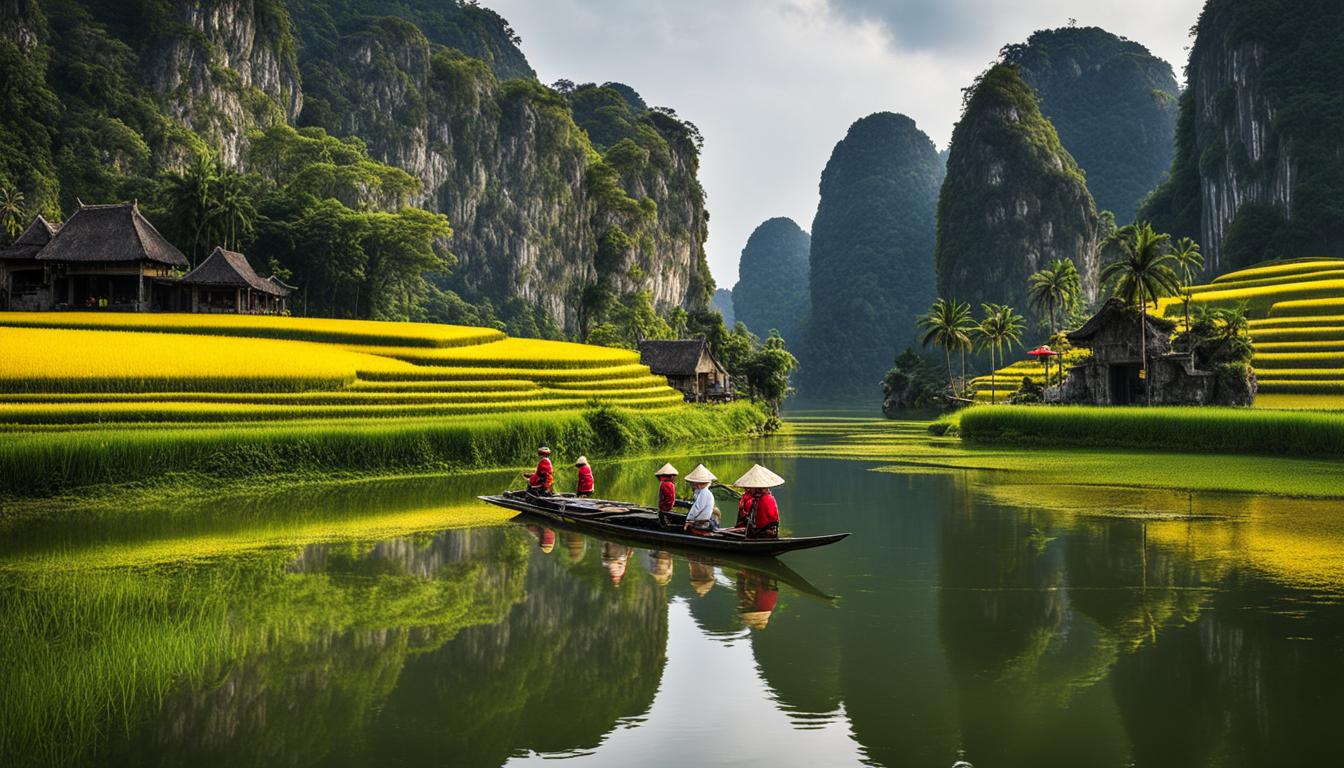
{"points": [[582, 462], [758, 477], [667, 469], [700, 475], [756, 619]]}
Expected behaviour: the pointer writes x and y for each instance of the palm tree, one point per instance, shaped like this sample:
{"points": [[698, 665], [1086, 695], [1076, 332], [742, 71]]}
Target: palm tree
{"points": [[946, 326], [232, 209], [1053, 288], [1141, 275], [1189, 262], [11, 212], [189, 197], [1001, 327]]}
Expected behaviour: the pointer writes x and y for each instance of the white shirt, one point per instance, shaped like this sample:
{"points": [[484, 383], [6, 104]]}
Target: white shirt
{"points": [[702, 508]]}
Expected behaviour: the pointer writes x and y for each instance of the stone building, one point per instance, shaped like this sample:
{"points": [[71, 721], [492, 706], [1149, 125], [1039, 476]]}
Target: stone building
{"points": [[1113, 373], [690, 367]]}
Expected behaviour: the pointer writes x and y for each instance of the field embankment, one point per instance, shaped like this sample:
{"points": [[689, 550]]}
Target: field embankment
{"points": [[1194, 430], [88, 398]]}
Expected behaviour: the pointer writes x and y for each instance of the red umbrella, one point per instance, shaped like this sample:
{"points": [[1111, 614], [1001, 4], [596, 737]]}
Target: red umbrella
{"points": [[1043, 354]]}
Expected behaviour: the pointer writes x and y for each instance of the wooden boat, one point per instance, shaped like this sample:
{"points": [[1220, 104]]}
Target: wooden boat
{"points": [[642, 524]]}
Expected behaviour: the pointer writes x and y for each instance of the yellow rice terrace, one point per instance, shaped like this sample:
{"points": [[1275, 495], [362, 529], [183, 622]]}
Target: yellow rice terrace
{"points": [[88, 398]]}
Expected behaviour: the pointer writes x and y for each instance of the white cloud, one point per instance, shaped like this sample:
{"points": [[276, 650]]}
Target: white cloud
{"points": [[774, 84]]}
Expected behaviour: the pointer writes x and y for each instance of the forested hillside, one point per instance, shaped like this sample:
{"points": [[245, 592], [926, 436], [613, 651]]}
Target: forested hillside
{"points": [[339, 142], [772, 285], [1014, 199], [1259, 166], [872, 241], [1113, 105]]}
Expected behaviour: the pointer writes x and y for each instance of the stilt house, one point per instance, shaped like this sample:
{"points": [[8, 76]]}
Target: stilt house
{"points": [[690, 367], [225, 282], [107, 257]]}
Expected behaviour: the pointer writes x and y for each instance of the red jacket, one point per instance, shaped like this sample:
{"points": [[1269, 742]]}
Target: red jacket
{"points": [[667, 496], [758, 513], [585, 480], [543, 478]]}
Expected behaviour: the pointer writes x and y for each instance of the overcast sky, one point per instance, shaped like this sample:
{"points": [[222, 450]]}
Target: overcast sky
{"points": [[774, 84]]}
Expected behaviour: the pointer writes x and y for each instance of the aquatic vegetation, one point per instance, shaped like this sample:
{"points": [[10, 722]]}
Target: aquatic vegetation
{"points": [[1225, 430]]}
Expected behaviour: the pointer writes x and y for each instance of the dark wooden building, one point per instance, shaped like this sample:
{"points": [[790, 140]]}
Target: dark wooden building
{"points": [[23, 279], [690, 367], [107, 257], [226, 282], [1112, 374]]}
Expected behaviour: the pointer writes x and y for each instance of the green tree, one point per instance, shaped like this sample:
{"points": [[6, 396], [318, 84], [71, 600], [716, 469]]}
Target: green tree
{"points": [[767, 372], [1189, 263], [947, 324], [1000, 328], [1140, 275], [1053, 289], [11, 212], [233, 210], [188, 197]]}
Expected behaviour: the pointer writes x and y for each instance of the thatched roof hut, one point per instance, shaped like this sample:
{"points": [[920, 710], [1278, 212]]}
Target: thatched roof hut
{"points": [[227, 269], [33, 239], [689, 366], [108, 234]]}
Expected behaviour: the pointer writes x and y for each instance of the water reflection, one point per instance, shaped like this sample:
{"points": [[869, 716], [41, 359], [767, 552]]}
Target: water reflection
{"points": [[1057, 627]]}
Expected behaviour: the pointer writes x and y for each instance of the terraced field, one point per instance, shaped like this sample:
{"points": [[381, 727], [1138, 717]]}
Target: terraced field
{"points": [[91, 398], [91, 368], [1297, 325]]}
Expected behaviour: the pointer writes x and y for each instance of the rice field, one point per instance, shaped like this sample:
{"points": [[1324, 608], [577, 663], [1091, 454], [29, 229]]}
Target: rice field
{"points": [[195, 391]]}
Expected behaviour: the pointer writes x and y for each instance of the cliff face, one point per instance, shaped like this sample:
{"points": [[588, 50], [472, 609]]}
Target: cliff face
{"points": [[1014, 199], [1113, 105], [226, 68], [1259, 167], [772, 286], [871, 245], [530, 199]]}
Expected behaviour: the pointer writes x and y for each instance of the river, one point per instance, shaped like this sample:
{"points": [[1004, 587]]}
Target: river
{"points": [[401, 622]]}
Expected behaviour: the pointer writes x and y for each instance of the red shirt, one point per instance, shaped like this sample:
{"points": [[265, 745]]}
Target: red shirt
{"points": [[667, 496], [744, 510], [543, 477], [767, 511], [585, 479]]}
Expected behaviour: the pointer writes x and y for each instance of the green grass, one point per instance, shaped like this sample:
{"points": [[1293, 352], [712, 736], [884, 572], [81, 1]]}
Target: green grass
{"points": [[1213, 430], [50, 461]]}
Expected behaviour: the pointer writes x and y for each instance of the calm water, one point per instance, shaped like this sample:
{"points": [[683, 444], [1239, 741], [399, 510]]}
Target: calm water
{"points": [[963, 620]]}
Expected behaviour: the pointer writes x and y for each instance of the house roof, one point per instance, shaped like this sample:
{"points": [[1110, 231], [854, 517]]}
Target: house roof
{"points": [[1116, 311], [37, 235], [285, 288], [226, 268], [674, 358], [110, 233]]}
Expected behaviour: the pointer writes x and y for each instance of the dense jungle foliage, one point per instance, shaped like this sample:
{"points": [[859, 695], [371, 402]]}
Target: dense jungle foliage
{"points": [[872, 241], [772, 286], [1113, 105]]}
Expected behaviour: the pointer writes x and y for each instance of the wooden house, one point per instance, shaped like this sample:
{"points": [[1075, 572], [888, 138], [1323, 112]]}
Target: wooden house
{"points": [[1113, 373], [107, 257], [226, 282], [689, 367], [24, 284]]}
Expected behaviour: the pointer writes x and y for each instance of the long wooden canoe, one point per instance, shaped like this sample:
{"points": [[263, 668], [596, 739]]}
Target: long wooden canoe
{"points": [[642, 524]]}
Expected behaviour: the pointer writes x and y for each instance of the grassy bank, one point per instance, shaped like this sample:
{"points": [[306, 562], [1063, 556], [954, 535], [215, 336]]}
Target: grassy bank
{"points": [[1197, 430], [47, 462]]}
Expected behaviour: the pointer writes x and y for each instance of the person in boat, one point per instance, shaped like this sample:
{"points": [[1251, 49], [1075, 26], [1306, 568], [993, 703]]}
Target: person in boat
{"points": [[539, 483], [584, 487], [757, 512], [667, 491], [700, 518]]}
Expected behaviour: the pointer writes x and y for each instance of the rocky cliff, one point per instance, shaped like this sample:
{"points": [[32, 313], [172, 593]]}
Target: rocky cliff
{"points": [[1014, 199], [546, 224], [538, 214], [872, 241], [772, 287], [1113, 105], [1259, 166]]}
